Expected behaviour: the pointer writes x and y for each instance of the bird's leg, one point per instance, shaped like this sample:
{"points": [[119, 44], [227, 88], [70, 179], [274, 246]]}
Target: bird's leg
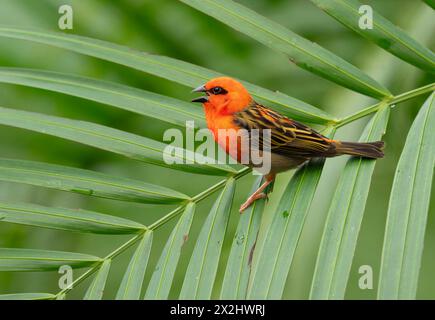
{"points": [[257, 194]]}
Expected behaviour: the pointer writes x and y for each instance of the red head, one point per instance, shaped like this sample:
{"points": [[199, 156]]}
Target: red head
{"points": [[224, 96]]}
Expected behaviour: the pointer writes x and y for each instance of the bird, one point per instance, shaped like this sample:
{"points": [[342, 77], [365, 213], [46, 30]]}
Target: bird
{"points": [[229, 107]]}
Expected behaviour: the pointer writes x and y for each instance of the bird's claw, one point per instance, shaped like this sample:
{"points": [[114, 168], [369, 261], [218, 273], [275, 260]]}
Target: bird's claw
{"points": [[251, 200]]}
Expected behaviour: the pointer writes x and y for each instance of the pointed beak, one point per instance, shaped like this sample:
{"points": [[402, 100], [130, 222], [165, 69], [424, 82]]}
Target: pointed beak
{"points": [[200, 99], [200, 89]]}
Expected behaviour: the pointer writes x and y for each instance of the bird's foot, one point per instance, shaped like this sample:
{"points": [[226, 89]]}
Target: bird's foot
{"points": [[251, 200]]}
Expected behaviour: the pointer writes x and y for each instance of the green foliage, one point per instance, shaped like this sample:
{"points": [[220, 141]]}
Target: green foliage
{"points": [[86, 182], [161, 281], [146, 103], [124, 143], [344, 219], [264, 246], [27, 296], [13, 259], [239, 265], [275, 255], [66, 219], [165, 67], [300, 51], [201, 273], [430, 3], [96, 289], [408, 208], [384, 33], [131, 285]]}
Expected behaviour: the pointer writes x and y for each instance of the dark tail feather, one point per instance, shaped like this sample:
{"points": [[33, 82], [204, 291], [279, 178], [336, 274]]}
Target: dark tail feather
{"points": [[367, 150]]}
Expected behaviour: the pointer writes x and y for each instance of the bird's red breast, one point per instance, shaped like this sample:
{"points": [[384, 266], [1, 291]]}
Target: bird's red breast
{"points": [[225, 97]]}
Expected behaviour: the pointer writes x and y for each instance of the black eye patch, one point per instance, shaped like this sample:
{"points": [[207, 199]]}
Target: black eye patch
{"points": [[217, 90]]}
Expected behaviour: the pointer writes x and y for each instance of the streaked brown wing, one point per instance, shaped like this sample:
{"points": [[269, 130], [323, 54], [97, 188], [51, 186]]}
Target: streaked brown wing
{"points": [[288, 137]]}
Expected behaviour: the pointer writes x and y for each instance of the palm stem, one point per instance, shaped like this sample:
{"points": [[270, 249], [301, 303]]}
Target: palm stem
{"points": [[110, 256], [197, 198], [391, 101]]}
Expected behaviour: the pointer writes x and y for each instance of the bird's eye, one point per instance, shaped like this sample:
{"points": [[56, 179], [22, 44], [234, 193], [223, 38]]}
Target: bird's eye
{"points": [[217, 90]]}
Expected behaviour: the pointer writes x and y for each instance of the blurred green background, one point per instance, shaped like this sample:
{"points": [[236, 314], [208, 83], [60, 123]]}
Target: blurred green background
{"points": [[167, 27]]}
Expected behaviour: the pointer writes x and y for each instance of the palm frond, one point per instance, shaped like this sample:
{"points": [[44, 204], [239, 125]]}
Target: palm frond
{"points": [[14, 259], [384, 33], [66, 219], [96, 289], [300, 51], [430, 3], [161, 280], [344, 218], [201, 272], [27, 296], [275, 255], [254, 270], [239, 265], [169, 110], [131, 285], [86, 182], [408, 209], [172, 69], [117, 141]]}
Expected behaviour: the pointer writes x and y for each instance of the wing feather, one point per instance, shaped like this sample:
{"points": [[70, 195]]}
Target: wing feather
{"points": [[288, 137]]}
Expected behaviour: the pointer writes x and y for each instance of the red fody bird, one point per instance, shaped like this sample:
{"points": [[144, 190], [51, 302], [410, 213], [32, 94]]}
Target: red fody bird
{"points": [[229, 107]]}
